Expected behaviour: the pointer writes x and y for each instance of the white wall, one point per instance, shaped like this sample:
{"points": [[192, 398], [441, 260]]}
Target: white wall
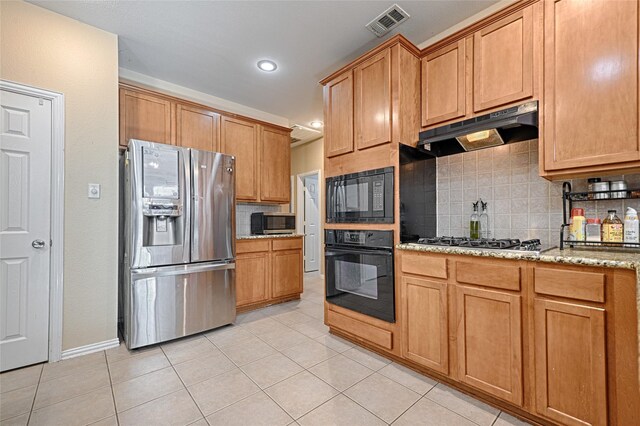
{"points": [[49, 51]]}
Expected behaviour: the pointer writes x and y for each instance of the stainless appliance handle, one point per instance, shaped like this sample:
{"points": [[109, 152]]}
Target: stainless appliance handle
{"points": [[182, 269]]}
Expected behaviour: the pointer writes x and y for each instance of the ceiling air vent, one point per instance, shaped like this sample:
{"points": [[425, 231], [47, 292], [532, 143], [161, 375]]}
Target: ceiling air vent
{"points": [[388, 20], [304, 134]]}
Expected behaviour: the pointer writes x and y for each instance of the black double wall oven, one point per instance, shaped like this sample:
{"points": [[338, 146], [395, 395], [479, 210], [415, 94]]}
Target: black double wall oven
{"points": [[359, 271], [359, 263]]}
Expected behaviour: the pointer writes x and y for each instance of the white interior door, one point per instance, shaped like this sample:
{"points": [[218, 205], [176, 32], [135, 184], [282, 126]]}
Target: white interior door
{"points": [[25, 186], [311, 224]]}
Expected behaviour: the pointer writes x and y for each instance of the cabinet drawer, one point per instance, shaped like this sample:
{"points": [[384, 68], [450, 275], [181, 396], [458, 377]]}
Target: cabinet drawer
{"points": [[570, 284], [424, 265], [251, 246], [373, 334], [490, 275], [287, 244]]}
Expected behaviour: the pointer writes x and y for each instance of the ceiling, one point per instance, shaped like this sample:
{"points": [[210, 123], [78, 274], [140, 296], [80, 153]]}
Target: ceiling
{"points": [[213, 46]]}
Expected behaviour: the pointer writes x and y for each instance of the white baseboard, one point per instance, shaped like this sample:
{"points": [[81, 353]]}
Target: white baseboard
{"points": [[88, 349]]}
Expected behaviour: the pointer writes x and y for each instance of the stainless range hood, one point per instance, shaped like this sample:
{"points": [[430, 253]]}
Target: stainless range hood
{"points": [[515, 124]]}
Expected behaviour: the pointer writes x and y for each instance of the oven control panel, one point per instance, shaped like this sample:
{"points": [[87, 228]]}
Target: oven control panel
{"points": [[378, 195], [354, 237]]}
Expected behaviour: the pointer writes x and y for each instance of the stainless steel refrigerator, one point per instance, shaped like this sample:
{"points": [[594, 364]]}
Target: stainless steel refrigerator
{"points": [[179, 242]]}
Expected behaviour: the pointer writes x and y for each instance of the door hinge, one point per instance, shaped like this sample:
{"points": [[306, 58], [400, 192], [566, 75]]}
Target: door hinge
{"points": [[50, 243]]}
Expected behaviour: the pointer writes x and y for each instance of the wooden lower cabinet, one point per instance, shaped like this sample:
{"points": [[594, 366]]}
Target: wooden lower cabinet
{"points": [[268, 271], [489, 341], [424, 307], [570, 362], [555, 343], [287, 273], [252, 278]]}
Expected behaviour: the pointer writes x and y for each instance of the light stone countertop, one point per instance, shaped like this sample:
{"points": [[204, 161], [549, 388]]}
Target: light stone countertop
{"points": [[260, 237], [608, 259]]}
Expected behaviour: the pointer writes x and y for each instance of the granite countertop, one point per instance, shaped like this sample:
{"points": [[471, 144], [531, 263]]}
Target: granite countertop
{"points": [[260, 237], [608, 259]]}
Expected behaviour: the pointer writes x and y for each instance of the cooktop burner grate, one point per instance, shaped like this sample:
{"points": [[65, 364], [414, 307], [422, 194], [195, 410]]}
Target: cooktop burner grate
{"points": [[488, 243]]}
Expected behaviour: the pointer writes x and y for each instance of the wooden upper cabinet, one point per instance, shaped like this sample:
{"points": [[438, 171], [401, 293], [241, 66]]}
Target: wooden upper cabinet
{"points": [[197, 128], [372, 100], [240, 138], [424, 323], [144, 116], [570, 363], [275, 165], [591, 85], [443, 84], [338, 103], [489, 342], [503, 61]]}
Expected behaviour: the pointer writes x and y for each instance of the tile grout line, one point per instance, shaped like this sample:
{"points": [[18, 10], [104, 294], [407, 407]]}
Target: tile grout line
{"points": [[33, 403], [183, 383], [113, 397], [455, 412]]}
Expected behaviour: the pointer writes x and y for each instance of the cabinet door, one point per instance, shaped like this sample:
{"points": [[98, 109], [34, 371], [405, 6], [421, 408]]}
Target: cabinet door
{"points": [[252, 278], [570, 363], [145, 117], [240, 138], [287, 273], [503, 61], [590, 83], [275, 165], [198, 128], [443, 88], [490, 342], [338, 102], [372, 102], [424, 318]]}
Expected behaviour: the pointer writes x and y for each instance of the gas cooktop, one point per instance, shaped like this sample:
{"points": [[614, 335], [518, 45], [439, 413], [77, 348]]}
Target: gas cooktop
{"points": [[506, 244]]}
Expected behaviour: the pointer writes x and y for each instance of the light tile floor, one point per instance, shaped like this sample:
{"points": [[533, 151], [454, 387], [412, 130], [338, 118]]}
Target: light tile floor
{"points": [[275, 366]]}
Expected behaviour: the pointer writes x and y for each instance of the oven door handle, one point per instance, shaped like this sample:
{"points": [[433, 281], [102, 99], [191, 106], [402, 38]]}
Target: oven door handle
{"points": [[338, 252]]}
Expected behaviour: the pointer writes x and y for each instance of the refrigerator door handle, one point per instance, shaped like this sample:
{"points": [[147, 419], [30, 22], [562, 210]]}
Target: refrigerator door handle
{"points": [[182, 270]]}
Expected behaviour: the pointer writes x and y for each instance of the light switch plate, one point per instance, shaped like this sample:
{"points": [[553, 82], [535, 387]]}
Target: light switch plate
{"points": [[94, 190]]}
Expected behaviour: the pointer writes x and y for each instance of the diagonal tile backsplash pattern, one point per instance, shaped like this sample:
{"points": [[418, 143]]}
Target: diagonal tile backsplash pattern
{"points": [[521, 204]]}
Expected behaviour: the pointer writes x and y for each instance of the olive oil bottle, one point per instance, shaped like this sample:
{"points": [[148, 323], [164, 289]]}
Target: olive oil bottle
{"points": [[474, 223]]}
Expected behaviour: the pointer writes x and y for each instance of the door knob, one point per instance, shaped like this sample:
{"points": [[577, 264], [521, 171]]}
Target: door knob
{"points": [[37, 244]]}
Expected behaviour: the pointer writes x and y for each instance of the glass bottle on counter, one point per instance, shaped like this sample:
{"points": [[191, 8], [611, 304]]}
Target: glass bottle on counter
{"points": [[612, 229], [484, 221], [474, 223]]}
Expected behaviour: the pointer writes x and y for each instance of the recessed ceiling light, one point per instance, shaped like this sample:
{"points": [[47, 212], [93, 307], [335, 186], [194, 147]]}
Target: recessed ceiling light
{"points": [[267, 65], [316, 124]]}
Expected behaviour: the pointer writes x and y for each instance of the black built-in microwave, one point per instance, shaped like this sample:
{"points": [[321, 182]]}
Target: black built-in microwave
{"points": [[364, 197]]}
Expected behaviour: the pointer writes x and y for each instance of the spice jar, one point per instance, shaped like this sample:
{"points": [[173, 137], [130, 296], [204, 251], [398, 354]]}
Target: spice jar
{"points": [[590, 186], [593, 229], [601, 186], [620, 187]]}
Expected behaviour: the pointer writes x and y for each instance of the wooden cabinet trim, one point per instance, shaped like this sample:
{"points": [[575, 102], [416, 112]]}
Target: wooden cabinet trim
{"points": [[526, 91], [413, 334], [368, 332], [598, 385], [383, 113], [253, 289], [570, 284], [290, 280], [246, 180], [514, 392], [502, 276], [275, 165], [124, 85], [425, 265], [126, 125], [251, 246], [286, 244], [428, 118]]}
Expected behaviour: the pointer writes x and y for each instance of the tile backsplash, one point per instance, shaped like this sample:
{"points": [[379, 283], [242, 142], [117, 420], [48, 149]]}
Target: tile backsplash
{"points": [[521, 204], [243, 215]]}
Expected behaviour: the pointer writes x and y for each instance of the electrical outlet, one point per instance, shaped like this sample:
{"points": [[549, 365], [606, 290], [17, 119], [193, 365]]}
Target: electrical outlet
{"points": [[94, 190]]}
